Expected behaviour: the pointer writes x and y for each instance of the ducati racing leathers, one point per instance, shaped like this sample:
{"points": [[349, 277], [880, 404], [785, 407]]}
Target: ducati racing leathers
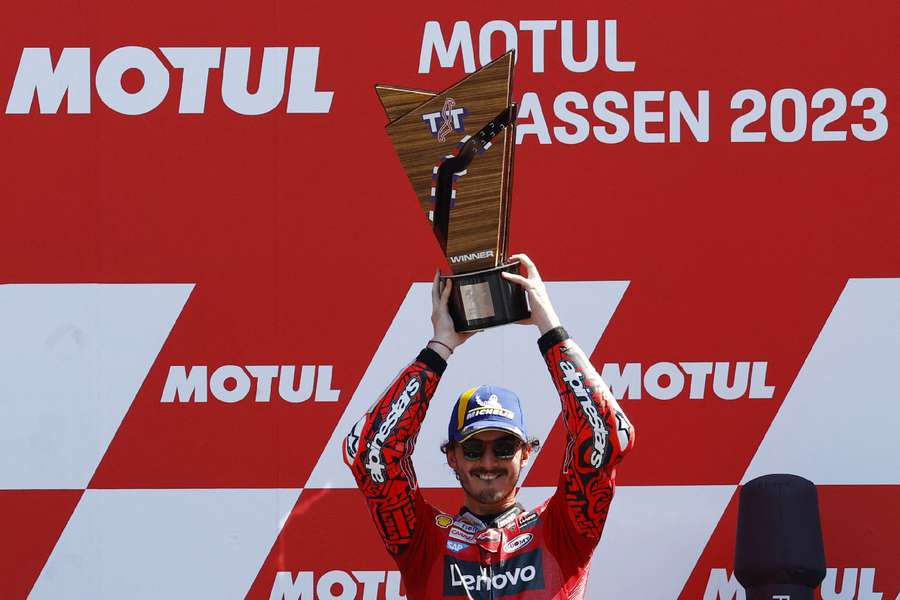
{"points": [[536, 554]]}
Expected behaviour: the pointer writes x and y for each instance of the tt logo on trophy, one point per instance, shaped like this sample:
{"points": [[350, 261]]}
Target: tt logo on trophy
{"points": [[463, 183]]}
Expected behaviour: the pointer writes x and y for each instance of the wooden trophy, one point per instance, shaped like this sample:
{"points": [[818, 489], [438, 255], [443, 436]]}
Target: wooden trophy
{"points": [[457, 150]]}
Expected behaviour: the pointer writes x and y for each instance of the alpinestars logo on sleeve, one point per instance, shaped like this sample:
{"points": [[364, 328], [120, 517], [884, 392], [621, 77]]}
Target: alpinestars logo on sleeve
{"points": [[572, 376], [374, 460]]}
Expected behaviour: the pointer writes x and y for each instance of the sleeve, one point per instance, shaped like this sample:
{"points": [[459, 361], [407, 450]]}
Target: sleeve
{"points": [[379, 450], [598, 435]]}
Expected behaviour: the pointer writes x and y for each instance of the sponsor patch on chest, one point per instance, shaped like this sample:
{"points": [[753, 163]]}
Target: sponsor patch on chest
{"points": [[528, 520], [443, 521], [517, 543], [461, 535], [466, 526], [518, 574]]}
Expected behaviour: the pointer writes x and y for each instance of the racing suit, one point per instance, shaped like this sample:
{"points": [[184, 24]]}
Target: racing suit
{"points": [[536, 554]]}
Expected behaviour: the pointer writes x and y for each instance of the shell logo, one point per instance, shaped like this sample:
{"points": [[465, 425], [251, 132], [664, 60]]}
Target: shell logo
{"points": [[443, 521]]}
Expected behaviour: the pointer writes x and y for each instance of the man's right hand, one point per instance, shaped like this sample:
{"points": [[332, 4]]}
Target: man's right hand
{"points": [[444, 333]]}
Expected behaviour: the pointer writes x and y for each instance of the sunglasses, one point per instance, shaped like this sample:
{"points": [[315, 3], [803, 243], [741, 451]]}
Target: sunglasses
{"points": [[504, 448]]}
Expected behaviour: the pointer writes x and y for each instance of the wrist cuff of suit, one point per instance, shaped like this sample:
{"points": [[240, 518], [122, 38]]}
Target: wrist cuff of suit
{"points": [[432, 360], [552, 338]]}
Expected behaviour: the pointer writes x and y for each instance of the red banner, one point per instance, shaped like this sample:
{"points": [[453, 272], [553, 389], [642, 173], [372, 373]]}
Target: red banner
{"points": [[213, 263]]}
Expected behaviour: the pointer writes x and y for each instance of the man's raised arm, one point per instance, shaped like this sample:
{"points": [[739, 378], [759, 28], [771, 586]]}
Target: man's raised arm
{"points": [[597, 431], [379, 448]]}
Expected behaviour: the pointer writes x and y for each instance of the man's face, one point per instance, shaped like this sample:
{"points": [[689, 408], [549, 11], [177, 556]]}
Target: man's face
{"points": [[489, 481]]}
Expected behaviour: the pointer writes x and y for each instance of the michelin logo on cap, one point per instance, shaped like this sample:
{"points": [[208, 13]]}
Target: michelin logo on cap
{"points": [[491, 406], [486, 407]]}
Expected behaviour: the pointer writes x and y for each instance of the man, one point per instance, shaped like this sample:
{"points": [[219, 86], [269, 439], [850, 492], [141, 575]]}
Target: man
{"points": [[494, 547]]}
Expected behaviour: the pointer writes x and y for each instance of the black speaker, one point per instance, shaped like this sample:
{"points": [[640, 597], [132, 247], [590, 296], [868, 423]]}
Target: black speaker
{"points": [[779, 553]]}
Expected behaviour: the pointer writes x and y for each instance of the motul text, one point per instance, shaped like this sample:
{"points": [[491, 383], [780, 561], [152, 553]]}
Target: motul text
{"points": [[667, 380], [460, 44], [70, 77], [337, 585], [233, 383], [722, 586]]}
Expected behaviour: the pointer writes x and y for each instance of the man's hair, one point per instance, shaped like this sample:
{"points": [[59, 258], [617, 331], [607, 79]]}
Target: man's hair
{"points": [[533, 443]]}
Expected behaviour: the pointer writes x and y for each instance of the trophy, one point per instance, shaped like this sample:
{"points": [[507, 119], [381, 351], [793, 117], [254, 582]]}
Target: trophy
{"points": [[457, 147]]}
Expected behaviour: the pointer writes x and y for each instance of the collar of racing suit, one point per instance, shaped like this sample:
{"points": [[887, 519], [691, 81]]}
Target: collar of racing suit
{"points": [[498, 520]]}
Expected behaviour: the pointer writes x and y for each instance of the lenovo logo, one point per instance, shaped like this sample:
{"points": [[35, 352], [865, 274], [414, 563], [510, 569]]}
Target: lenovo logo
{"points": [[473, 580]]}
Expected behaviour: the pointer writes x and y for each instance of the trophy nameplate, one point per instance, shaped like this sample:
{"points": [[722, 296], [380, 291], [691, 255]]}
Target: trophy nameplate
{"points": [[456, 148]]}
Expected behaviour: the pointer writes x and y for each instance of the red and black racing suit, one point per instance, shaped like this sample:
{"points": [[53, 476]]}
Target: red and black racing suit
{"points": [[542, 553]]}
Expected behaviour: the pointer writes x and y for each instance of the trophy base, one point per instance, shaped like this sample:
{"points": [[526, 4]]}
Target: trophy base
{"points": [[483, 299]]}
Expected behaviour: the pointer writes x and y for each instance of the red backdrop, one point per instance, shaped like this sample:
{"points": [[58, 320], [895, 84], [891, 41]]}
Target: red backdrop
{"points": [[292, 238]]}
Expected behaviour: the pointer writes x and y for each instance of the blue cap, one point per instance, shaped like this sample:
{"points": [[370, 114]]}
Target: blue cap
{"points": [[486, 407]]}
